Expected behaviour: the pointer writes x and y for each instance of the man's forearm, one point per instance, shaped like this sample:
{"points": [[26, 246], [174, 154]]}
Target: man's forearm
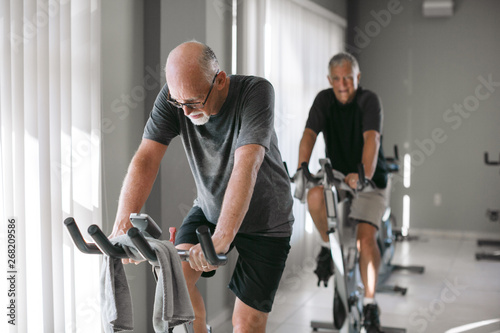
{"points": [[135, 191], [306, 146], [138, 182], [370, 152], [248, 160]]}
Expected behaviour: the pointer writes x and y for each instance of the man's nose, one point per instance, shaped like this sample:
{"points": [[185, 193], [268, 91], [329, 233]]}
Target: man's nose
{"points": [[187, 110]]}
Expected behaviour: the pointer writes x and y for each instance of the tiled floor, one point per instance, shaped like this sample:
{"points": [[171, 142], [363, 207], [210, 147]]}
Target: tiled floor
{"points": [[455, 290]]}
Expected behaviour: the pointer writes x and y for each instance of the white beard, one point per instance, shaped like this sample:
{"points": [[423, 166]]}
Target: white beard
{"points": [[201, 120]]}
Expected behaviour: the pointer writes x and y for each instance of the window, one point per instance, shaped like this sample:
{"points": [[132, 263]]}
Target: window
{"points": [[49, 161]]}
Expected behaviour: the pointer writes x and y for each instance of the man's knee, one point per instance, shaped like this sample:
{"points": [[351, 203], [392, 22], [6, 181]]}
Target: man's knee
{"points": [[367, 235], [190, 275], [247, 319], [315, 198], [250, 324]]}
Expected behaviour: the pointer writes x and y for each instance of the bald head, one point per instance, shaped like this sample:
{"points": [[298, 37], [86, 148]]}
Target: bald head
{"points": [[191, 61]]}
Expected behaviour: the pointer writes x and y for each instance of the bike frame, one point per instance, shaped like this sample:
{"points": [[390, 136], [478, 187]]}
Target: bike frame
{"points": [[348, 293]]}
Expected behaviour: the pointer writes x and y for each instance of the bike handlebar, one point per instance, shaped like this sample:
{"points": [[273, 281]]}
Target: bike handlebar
{"points": [[305, 170], [329, 171], [205, 239], [104, 246], [80, 243]]}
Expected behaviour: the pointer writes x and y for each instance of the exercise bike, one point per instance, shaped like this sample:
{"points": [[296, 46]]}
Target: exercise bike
{"points": [[143, 226], [347, 284]]}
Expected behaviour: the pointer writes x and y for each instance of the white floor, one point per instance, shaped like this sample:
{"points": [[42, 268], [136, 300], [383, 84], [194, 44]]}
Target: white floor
{"points": [[455, 290]]}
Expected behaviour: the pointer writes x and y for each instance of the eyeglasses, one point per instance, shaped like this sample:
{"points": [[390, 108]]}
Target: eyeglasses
{"points": [[196, 105]]}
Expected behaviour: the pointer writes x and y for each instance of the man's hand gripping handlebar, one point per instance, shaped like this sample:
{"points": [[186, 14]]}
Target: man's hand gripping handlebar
{"points": [[143, 227]]}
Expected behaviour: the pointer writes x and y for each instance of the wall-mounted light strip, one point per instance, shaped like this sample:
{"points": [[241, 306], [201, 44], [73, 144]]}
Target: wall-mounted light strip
{"points": [[406, 216], [407, 171]]}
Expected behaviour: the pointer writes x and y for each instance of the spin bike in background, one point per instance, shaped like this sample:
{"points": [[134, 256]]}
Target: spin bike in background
{"points": [[347, 284], [387, 237], [143, 226]]}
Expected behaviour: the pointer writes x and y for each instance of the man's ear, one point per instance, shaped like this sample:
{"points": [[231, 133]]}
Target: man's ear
{"points": [[330, 80], [221, 80]]}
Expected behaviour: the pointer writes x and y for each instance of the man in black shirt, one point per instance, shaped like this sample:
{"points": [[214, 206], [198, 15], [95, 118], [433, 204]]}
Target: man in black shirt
{"points": [[350, 118]]}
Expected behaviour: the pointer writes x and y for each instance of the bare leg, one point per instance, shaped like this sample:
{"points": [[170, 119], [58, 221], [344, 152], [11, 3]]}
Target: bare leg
{"points": [[317, 209], [192, 276], [369, 257], [247, 319]]}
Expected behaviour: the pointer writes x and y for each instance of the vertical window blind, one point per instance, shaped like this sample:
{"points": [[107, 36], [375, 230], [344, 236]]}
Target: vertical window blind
{"points": [[50, 163]]}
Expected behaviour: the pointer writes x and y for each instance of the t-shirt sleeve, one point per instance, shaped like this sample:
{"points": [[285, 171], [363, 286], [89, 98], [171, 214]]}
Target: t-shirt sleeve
{"points": [[163, 123], [372, 113], [257, 116], [316, 119]]}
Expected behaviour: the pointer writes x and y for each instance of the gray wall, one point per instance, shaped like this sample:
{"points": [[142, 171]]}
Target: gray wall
{"points": [[122, 121], [426, 70]]}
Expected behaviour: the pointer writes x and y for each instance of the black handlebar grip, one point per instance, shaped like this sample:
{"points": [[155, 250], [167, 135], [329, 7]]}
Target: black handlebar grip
{"points": [[329, 173], [286, 169], [205, 238], [396, 153], [142, 244], [305, 170], [104, 244], [361, 174], [80, 243]]}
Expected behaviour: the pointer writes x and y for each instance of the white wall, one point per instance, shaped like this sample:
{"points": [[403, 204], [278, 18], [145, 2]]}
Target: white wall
{"points": [[423, 69]]}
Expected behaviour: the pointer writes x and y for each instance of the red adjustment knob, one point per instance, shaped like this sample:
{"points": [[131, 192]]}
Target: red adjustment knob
{"points": [[172, 231]]}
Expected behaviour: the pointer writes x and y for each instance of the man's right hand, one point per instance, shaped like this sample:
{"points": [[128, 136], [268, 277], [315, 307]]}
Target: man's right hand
{"points": [[119, 229]]}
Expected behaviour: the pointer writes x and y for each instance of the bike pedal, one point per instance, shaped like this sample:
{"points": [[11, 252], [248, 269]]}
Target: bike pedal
{"points": [[330, 231], [352, 300]]}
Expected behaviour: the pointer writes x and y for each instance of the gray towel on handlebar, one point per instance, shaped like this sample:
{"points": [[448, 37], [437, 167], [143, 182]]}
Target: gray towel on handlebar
{"points": [[116, 303], [172, 305]]}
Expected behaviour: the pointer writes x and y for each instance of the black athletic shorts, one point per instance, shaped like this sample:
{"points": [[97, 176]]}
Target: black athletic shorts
{"points": [[260, 264]]}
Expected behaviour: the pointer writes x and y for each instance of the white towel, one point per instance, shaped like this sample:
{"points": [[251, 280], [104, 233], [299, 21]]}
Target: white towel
{"points": [[172, 305]]}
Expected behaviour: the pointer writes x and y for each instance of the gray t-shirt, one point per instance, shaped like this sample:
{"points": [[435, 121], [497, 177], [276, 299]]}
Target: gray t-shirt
{"points": [[246, 117]]}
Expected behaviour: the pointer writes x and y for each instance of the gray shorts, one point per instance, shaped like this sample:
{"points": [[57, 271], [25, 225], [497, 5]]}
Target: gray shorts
{"points": [[370, 206]]}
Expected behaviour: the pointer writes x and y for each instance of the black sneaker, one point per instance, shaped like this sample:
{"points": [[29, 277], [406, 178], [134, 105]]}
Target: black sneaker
{"points": [[371, 321], [324, 269]]}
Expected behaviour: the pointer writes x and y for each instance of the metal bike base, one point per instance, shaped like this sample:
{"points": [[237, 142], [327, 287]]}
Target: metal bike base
{"points": [[317, 325]]}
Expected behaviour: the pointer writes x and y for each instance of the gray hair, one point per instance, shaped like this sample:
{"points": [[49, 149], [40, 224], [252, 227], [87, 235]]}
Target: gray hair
{"points": [[208, 62], [339, 58]]}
